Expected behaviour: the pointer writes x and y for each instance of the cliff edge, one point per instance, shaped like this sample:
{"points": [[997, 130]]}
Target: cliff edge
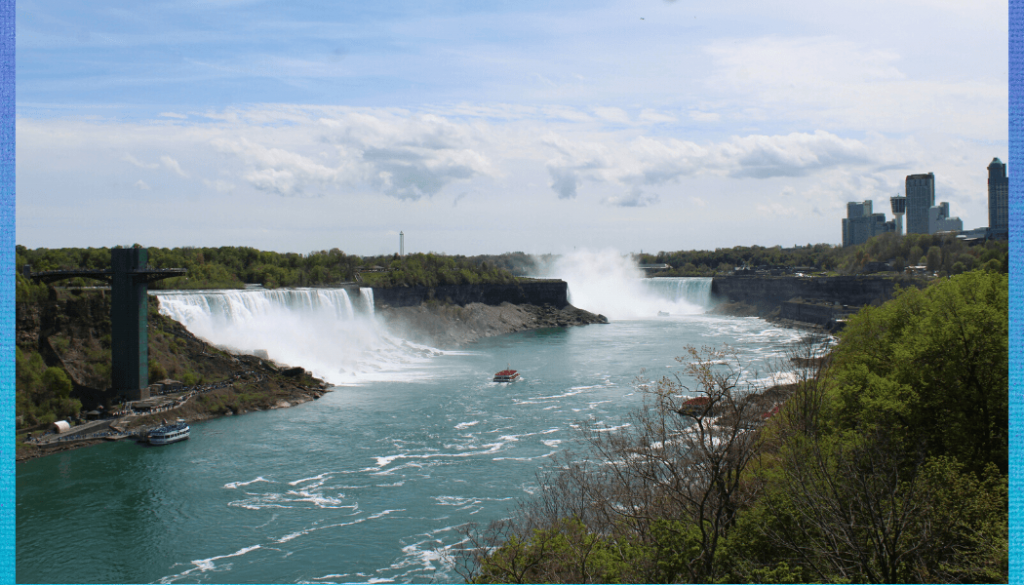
{"points": [[448, 325]]}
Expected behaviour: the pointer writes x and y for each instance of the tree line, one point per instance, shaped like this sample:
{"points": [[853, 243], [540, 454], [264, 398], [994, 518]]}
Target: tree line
{"points": [[234, 267], [939, 253], [885, 461]]}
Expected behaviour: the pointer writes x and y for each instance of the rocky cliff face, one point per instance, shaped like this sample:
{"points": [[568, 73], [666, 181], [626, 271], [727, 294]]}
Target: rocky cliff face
{"points": [[448, 325], [537, 292], [450, 316], [768, 294]]}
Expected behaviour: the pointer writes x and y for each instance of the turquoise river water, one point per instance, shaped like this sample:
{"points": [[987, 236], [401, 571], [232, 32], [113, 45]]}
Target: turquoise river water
{"points": [[372, 482]]}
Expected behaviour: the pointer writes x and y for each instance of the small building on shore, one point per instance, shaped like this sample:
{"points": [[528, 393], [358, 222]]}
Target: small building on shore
{"points": [[61, 426]]}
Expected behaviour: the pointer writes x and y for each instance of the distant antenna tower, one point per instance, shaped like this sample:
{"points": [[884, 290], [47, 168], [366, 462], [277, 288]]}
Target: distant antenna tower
{"points": [[899, 207], [401, 243]]}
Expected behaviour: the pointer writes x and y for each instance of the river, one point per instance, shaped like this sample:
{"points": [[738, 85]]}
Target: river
{"points": [[372, 482]]}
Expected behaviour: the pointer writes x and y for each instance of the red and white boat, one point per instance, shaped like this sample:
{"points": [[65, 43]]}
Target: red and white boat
{"points": [[506, 376]]}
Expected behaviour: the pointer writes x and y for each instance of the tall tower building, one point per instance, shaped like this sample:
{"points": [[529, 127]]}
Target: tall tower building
{"points": [[920, 193], [401, 244], [998, 199], [899, 207]]}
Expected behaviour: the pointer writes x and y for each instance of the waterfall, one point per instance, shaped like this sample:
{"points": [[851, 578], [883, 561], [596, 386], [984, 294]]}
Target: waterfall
{"points": [[695, 291], [321, 330], [610, 283], [366, 293]]}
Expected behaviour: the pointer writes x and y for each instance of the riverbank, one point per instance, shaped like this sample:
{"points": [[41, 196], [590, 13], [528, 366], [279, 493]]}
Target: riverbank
{"points": [[250, 391]]}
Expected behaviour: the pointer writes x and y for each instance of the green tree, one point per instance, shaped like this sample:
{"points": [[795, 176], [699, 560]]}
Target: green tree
{"points": [[934, 258], [932, 363], [157, 371], [57, 382]]}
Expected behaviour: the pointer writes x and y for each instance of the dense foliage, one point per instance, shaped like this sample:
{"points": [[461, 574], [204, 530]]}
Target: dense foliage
{"points": [[44, 393], [887, 465], [234, 267], [938, 253]]}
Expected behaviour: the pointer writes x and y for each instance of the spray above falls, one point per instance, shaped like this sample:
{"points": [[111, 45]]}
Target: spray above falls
{"points": [[609, 283], [328, 332]]}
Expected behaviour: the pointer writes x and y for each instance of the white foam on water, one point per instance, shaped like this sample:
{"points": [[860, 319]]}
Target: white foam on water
{"points": [[238, 484], [204, 565], [321, 476], [534, 458], [466, 425], [486, 449], [304, 532]]}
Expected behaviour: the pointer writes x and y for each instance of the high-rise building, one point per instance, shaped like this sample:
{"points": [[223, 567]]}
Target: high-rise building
{"points": [[860, 224], [939, 220], [920, 193], [998, 200]]}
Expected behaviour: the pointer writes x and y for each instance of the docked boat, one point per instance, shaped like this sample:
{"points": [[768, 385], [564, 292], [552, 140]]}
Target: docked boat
{"points": [[506, 376], [168, 434]]}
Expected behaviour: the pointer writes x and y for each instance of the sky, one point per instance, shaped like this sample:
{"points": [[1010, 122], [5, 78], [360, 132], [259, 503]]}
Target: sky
{"points": [[490, 127]]}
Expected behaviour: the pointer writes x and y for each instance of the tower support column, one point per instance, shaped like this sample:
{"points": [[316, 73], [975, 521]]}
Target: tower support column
{"points": [[128, 322]]}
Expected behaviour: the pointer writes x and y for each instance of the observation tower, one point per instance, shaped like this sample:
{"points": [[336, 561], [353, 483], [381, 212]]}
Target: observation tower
{"points": [[899, 207]]}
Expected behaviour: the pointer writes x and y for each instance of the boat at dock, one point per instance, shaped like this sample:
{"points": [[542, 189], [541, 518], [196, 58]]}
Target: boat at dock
{"points": [[506, 376], [168, 434]]}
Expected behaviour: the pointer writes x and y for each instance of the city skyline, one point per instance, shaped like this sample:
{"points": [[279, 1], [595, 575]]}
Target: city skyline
{"points": [[536, 127]]}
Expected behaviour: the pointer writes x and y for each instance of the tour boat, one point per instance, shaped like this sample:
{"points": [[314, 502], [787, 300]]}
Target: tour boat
{"points": [[506, 376], [168, 434]]}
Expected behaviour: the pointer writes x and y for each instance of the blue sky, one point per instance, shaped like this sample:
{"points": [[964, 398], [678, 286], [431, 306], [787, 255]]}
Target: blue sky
{"points": [[490, 127]]}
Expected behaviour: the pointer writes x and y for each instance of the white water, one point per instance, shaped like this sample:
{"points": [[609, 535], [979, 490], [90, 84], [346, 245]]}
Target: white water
{"points": [[610, 283], [318, 329]]}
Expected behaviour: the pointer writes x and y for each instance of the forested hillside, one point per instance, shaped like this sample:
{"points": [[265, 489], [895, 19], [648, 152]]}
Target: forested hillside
{"points": [[888, 464]]}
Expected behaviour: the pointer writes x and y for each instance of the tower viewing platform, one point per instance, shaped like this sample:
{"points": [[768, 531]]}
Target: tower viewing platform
{"points": [[129, 276]]}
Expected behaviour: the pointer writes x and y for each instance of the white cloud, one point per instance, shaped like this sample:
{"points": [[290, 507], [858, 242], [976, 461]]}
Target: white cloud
{"points": [[649, 115], [173, 165], [173, 115], [129, 158], [141, 185], [792, 155], [650, 161], [635, 198], [404, 156], [566, 113]]}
